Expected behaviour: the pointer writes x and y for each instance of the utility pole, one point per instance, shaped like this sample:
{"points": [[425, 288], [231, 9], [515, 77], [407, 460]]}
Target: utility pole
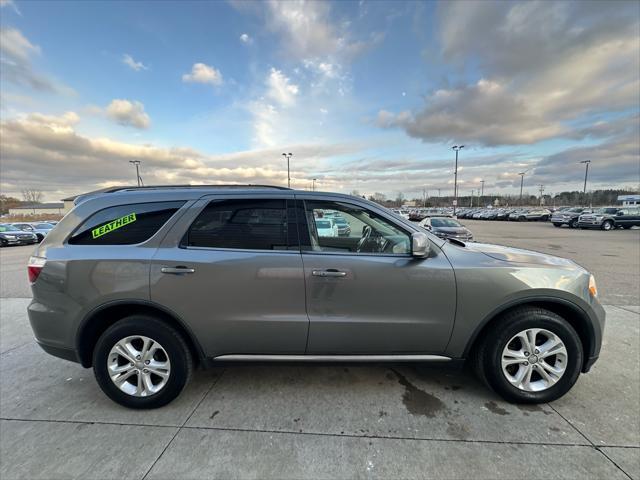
{"points": [[541, 190], [471, 202], [137, 164], [314, 185], [481, 191], [288, 157], [457, 148]]}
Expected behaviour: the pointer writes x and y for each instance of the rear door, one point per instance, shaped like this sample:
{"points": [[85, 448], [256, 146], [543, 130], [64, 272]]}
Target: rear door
{"points": [[232, 270]]}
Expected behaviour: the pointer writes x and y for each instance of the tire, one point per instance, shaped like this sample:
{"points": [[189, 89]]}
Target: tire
{"points": [[607, 225], [522, 219], [559, 225], [573, 223], [488, 356], [172, 347]]}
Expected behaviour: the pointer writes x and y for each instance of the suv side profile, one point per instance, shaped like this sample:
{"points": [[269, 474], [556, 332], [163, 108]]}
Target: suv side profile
{"points": [[144, 284]]}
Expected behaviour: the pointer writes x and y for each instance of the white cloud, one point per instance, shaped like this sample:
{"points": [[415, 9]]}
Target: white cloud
{"points": [[16, 52], [131, 63], [544, 65], [127, 113], [12, 4], [202, 73], [45, 152], [280, 89], [246, 39]]}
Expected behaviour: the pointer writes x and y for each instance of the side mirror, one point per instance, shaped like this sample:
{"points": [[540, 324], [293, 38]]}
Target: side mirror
{"points": [[419, 245]]}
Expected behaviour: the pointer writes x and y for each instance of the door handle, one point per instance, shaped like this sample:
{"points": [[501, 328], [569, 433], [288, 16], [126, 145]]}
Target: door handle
{"points": [[328, 273], [177, 270]]}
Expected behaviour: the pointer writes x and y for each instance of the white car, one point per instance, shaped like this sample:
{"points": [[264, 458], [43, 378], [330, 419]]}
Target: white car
{"points": [[326, 227]]}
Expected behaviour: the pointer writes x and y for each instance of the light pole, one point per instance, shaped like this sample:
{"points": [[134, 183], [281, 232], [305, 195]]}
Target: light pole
{"points": [[471, 202], [481, 191], [137, 164], [541, 190], [586, 172], [521, 183], [288, 157], [457, 148], [314, 185]]}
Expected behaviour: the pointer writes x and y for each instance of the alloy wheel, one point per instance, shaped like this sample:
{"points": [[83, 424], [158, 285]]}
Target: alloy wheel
{"points": [[534, 360], [139, 366]]}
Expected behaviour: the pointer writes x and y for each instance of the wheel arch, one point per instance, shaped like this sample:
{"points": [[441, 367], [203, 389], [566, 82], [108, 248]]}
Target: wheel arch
{"points": [[569, 311], [96, 322]]}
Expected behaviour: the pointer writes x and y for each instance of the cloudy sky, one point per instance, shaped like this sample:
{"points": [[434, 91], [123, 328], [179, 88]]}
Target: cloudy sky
{"points": [[368, 95]]}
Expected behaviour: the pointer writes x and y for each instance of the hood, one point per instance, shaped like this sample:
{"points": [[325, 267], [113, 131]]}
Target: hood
{"points": [[517, 255]]}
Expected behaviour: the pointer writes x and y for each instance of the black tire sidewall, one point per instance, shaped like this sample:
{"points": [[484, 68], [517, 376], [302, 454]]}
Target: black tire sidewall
{"points": [[533, 319], [157, 330]]}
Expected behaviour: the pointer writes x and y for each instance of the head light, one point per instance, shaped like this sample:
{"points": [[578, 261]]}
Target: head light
{"points": [[593, 289]]}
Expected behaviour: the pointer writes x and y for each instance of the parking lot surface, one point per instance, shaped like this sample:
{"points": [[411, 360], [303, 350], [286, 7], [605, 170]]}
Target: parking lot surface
{"points": [[335, 421]]}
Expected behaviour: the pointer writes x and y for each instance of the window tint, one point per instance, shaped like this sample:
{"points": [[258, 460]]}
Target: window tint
{"points": [[244, 224], [369, 233], [124, 224]]}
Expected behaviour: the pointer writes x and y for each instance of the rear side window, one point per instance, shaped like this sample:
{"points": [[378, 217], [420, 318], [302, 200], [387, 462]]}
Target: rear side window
{"points": [[124, 224], [244, 224]]}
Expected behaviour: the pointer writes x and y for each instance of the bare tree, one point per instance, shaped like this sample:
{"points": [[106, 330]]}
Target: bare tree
{"points": [[31, 195]]}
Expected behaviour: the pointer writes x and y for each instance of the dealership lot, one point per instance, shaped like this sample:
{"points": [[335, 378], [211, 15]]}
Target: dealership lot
{"points": [[368, 421]]}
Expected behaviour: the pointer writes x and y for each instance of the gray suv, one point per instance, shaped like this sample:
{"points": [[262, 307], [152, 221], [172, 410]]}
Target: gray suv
{"points": [[144, 284]]}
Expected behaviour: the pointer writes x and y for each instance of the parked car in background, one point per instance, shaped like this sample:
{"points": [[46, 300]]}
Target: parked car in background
{"points": [[610, 218], [532, 215], [144, 284], [344, 229], [567, 216], [10, 235], [40, 229], [326, 227], [445, 227]]}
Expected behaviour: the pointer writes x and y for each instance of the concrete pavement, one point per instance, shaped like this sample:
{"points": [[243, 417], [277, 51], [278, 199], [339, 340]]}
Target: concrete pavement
{"points": [[365, 421]]}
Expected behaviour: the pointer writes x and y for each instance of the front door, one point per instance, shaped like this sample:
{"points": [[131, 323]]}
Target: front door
{"points": [[366, 294], [232, 271]]}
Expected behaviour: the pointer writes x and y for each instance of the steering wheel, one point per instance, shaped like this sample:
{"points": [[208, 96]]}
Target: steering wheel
{"points": [[364, 239]]}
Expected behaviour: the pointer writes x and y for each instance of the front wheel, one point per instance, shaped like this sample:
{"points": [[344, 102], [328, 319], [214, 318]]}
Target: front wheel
{"points": [[557, 225], [141, 362], [607, 225], [531, 355]]}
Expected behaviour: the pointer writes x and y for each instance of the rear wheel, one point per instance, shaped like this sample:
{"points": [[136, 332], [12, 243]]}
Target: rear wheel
{"points": [[557, 225], [531, 355], [141, 362], [573, 223], [607, 225]]}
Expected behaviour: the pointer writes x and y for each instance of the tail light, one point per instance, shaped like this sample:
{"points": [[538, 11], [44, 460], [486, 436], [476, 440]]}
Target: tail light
{"points": [[34, 267]]}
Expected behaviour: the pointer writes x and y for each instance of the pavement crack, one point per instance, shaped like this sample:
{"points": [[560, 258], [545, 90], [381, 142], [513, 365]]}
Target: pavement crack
{"points": [[213, 384]]}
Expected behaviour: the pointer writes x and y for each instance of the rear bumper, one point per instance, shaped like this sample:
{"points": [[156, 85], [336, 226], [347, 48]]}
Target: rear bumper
{"points": [[60, 352]]}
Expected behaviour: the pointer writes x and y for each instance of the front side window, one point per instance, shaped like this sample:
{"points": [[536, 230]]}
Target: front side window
{"points": [[345, 228], [124, 224], [244, 224]]}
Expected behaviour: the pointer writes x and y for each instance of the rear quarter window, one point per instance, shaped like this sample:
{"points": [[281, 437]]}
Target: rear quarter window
{"points": [[124, 224]]}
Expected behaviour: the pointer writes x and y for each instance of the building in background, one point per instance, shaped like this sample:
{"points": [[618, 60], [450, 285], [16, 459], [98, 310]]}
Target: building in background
{"points": [[38, 209], [628, 200]]}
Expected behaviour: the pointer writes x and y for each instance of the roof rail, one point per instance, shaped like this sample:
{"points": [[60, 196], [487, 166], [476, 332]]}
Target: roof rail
{"points": [[87, 195]]}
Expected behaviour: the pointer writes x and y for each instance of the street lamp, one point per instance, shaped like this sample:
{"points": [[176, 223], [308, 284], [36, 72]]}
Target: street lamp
{"points": [[314, 185], [586, 172], [481, 192], [137, 164], [288, 157], [521, 182], [456, 148]]}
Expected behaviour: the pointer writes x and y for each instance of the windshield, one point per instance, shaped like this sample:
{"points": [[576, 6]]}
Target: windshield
{"points": [[444, 222], [44, 225], [323, 224], [340, 221], [577, 210], [4, 228], [606, 210]]}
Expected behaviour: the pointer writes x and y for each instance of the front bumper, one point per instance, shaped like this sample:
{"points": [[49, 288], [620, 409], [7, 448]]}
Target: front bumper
{"points": [[592, 224]]}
